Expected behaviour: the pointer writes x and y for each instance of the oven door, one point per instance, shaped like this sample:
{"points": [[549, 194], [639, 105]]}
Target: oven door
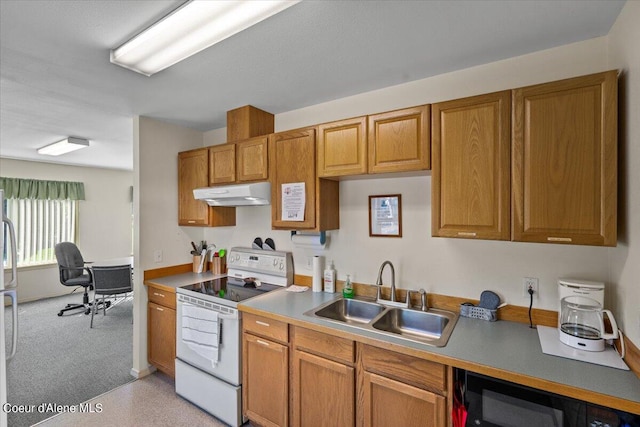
{"points": [[229, 365]]}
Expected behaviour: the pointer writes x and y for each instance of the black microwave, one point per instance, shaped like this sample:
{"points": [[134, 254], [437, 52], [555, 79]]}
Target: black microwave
{"points": [[496, 403]]}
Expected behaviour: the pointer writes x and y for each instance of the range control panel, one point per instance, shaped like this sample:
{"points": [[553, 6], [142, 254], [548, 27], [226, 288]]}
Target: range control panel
{"points": [[274, 263]]}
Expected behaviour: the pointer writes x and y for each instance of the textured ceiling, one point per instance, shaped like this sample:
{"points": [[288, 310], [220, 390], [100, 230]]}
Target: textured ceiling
{"points": [[56, 79]]}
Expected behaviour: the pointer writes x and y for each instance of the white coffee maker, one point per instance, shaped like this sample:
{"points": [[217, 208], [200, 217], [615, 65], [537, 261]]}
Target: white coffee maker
{"points": [[581, 315]]}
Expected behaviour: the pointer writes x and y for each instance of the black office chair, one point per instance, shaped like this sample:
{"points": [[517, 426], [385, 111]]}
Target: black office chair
{"points": [[110, 281], [73, 272]]}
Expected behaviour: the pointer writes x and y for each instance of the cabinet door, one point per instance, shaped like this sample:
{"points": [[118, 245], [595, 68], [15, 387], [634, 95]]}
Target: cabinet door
{"points": [[399, 140], [193, 172], [471, 146], [265, 381], [342, 148], [392, 403], [565, 161], [252, 159], [294, 161], [222, 164], [161, 337], [323, 392]]}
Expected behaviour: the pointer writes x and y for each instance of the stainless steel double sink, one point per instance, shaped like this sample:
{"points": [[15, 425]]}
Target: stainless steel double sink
{"points": [[432, 327]]}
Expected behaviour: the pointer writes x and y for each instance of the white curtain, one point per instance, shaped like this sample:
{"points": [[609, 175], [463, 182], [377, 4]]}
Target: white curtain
{"points": [[40, 225]]}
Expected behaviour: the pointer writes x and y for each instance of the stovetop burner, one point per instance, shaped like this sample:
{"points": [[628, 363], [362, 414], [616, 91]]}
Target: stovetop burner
{"points": [[230, 289]]}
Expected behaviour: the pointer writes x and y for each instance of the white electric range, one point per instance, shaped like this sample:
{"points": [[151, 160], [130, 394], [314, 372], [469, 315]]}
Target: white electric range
{"points": [[209, 329]]}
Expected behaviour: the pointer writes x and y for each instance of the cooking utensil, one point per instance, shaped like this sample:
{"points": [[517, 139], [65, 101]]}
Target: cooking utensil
{"points": [[195, 249], [257, 243], [269, 244]]}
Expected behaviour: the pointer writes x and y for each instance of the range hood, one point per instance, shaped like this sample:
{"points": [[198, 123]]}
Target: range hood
{"points": [[256, 194]]}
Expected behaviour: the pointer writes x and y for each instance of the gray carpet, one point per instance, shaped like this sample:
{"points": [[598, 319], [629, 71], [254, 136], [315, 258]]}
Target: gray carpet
{"points": [[61, 361]]}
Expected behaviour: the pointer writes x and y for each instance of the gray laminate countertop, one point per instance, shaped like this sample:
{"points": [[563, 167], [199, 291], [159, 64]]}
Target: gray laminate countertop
{"points": [[510, 347]]}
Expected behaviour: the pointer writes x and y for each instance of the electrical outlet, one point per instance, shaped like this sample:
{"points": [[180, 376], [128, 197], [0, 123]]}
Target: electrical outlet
{"points": [[157, 256], [529, 282], [309, 263]]}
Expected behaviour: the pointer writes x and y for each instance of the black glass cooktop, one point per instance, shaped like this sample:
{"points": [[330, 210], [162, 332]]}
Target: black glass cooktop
{"points": [[230, 289]]}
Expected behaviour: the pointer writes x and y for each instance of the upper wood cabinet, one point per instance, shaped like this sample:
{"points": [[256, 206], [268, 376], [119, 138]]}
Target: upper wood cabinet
{"points": [[222, 164], [252, 159], [471, 150], [293, 158], [242, 161], [399, 140], [342, 147], [193, 172], [565, 161], [247, 122]]}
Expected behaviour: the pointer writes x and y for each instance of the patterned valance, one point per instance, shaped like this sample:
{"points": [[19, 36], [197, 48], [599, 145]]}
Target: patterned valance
{"points": [[18, 188]]}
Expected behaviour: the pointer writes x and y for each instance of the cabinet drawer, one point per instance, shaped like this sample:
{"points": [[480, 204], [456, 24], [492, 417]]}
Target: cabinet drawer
{"points": [[329, 346], [263, 326], [408, 369], [162, 297]]}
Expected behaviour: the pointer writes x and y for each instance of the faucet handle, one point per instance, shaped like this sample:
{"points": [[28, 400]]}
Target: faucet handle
{"points": [[408, 301], [423, 299]]}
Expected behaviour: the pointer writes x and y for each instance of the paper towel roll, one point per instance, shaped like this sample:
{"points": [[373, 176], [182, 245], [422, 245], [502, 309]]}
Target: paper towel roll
{"points": [[311, 241], [317, 274]]}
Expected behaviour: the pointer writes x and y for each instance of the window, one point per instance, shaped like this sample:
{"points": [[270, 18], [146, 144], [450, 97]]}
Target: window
{"points": [[44, 213], [40, 225]]}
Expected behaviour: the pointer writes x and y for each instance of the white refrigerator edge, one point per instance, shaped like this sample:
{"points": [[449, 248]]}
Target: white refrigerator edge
{"points": [[8, 290]]}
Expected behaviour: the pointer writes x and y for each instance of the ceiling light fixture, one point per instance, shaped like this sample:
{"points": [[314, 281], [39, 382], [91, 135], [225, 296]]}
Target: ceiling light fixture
{"points": [[64, 146], [194, 26]]}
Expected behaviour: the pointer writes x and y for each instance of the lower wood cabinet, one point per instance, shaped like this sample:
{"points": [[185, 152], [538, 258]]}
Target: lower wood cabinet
{"points": [[161, 330], [265, 389], [389, 402], [265, 374], [305, 378], [323, 390]]}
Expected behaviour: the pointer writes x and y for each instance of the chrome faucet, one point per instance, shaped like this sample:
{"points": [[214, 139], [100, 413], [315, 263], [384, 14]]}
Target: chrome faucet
{"points": [[393, 280], [423, 300]]}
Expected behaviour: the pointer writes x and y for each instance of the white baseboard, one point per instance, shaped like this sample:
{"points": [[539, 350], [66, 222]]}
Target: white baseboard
{"points": [[137, 374]]}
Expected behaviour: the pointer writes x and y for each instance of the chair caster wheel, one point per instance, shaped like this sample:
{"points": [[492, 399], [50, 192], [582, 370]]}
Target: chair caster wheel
{"points": [[87, 311], [60, 314]]}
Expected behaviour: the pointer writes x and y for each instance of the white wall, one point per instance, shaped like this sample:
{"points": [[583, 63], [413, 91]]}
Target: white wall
{"points": [[104, 219], [624, 54], [156, 148]]}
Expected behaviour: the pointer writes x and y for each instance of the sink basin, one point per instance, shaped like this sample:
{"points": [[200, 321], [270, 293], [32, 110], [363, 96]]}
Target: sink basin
{"points": [[349, 311], [429, 325]]}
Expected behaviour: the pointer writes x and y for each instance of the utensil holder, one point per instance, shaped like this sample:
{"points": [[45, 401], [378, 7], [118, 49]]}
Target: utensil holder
{"points": [[196, 264], [478, 313], [218, 265]]}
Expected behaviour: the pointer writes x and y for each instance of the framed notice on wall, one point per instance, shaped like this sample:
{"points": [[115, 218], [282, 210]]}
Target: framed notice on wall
{"points": [[385, 216]]}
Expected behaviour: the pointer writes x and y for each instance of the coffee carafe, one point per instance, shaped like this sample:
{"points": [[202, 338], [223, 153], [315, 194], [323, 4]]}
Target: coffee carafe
{"points": [[581, 323]]}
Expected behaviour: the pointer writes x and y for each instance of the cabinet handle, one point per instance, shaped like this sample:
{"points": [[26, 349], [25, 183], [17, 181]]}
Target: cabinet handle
{"points": [[558, 239], [466, 233], [191, 222], [159, 309], [158, 295], [262, 323], [262, 342]]}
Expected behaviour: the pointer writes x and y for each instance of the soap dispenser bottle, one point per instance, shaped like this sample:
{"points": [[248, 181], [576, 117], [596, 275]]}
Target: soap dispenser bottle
{"points": [[330, 279], [347, 289]]}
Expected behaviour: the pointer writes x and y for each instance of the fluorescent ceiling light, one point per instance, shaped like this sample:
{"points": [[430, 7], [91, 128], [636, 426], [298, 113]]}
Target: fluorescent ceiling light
{"points": [[64, 146], [194, 26]]}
